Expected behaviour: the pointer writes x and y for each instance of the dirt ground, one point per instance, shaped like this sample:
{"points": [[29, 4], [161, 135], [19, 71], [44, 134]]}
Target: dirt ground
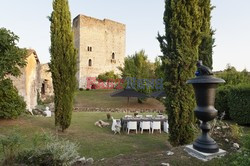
{"points": [[179, 158]]}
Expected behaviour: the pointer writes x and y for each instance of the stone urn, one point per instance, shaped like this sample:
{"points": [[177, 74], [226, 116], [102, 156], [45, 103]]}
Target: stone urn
{"points": [[204, 85]]}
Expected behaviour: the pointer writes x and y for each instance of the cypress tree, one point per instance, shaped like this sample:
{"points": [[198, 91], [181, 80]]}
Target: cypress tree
{"points": [[207, 40], [63, 63], [179, 46]]}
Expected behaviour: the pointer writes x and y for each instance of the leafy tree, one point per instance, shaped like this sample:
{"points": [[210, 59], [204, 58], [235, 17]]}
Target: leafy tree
{"points": [[179, 46], [207, 40], [11, 104], [108, 76], [234, 77], [136, 70], [159, 73], [129, 69], [12, 58], [63, 63], [137, 66]]}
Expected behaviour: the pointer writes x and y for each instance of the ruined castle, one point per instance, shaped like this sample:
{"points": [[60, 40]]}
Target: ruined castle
{"points": [[35, 82], [101, 48]]}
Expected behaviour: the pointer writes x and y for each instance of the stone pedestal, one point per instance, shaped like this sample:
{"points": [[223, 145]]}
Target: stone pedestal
{"points": [[203, 156]]}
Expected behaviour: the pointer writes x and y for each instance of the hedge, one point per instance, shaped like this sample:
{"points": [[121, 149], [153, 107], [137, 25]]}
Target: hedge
{"points": [[239, 103], [221, 103]]}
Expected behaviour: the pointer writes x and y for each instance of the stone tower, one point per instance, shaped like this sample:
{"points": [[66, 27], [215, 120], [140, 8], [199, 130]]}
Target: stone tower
{"points": [[100, 45]]}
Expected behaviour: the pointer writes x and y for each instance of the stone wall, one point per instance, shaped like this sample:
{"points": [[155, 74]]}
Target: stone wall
{"points": [[28, 83], [100, 44], [125, 110], [46, 85]]}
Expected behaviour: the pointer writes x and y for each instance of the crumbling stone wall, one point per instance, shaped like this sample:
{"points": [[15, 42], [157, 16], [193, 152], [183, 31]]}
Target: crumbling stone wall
{"points": [[28, 83], [46, 85]]}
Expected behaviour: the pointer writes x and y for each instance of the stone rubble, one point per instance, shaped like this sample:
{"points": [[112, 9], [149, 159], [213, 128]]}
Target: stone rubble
{"points": [[82, 161], [236, 145], [90, 160], [169, 153]]}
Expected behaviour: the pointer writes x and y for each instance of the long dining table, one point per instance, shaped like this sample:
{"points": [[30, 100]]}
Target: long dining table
{"points": [[124, 121]]}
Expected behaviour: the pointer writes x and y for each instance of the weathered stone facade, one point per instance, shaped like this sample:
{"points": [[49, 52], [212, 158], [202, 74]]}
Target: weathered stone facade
{"points": [[28, 83], [34, 81], [101, 46], [46, 85]]}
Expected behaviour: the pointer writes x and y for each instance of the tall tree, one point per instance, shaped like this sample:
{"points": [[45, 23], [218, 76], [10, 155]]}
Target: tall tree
{"points": [[63, 63], [207, 40], [179, 46], [12, 58]]}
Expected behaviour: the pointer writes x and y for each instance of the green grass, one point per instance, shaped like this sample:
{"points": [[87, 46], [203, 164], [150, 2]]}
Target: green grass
{"points": [[93, 141], [99, 143], [102, 99]]}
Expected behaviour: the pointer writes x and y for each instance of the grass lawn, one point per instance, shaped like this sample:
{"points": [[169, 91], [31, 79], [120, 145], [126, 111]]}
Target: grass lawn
{"points": [[102, 99], [94, 141], [101, 144]]}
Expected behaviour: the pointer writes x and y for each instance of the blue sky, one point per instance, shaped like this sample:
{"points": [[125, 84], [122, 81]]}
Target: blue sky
{"points": [[143, 19]]}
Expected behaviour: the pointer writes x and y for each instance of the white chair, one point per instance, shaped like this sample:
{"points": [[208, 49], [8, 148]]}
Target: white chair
{"points": [[145, 125], [116, 125], [165, 126], [132, 125], [149, 116], [155, 125]]}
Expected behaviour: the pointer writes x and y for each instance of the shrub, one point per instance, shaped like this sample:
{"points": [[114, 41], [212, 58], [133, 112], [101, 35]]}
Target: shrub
{"points": [[46, 150], [53, 152], [236, 132], [81, 89], [108, 76], [10, 146], [11, 104], [239, 104], [221, 103], [108, 116]]}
